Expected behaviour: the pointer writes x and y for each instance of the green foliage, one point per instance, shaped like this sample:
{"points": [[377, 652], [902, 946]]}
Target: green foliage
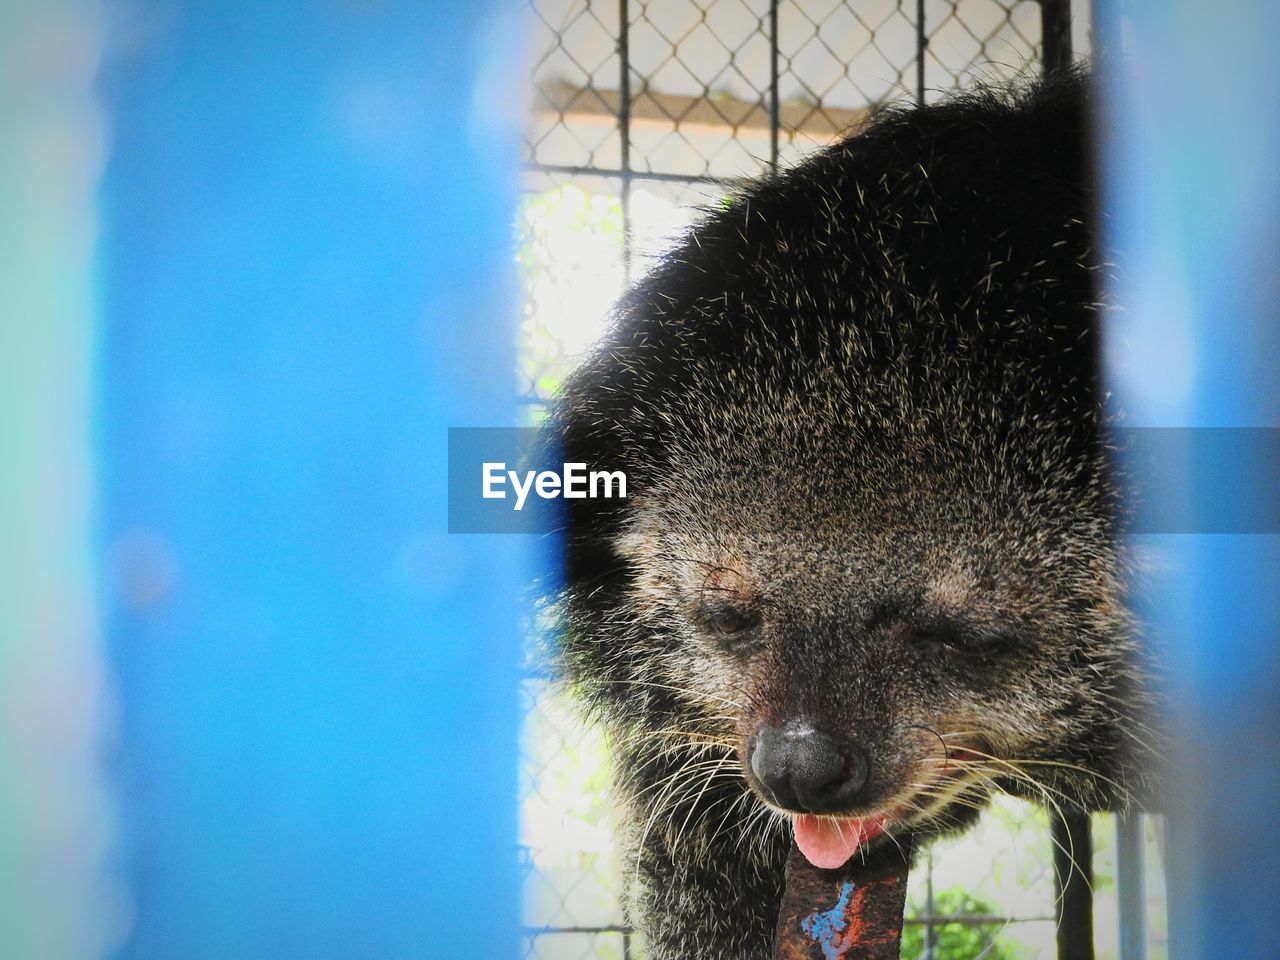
{"points": [[959, 941]]}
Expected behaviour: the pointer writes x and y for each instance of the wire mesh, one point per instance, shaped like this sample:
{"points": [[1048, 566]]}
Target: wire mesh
{"points": [[645, 112]]}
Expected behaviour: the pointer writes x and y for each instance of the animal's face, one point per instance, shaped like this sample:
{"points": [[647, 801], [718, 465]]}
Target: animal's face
{"points": [[884, 642], [869, 541]]}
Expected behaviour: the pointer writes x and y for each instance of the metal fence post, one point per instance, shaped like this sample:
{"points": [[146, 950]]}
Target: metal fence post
{"points": [[1073, 883], [1055, 32], [1131, 885]]}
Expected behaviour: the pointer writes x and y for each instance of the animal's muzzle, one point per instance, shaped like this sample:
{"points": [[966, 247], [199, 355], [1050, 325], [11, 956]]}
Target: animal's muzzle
{"points": [[807, 770]]}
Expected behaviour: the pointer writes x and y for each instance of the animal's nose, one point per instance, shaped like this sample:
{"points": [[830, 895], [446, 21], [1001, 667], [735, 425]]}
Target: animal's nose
{"points": [[806, 769]]}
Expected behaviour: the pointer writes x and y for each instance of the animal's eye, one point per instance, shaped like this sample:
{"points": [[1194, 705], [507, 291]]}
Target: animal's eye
{"points": [[728, 621], [981, 644]]}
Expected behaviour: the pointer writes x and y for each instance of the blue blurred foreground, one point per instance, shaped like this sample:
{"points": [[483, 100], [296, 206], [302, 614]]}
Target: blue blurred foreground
{"points": [[303, 277], [1192, 158]]}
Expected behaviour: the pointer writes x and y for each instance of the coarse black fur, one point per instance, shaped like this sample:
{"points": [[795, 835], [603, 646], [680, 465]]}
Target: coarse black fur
{"points": [[859, 413]]}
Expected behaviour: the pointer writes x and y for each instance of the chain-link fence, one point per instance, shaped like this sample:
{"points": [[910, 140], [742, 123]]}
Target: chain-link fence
{"points": [[644, 112]]}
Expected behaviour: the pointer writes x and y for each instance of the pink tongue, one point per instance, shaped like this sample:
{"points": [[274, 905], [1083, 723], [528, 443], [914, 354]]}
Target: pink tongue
{"points": [[828, 842]]}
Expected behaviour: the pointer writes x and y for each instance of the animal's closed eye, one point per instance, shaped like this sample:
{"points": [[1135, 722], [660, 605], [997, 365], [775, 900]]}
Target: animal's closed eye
{"points": [[729, 621], [962, 640]]}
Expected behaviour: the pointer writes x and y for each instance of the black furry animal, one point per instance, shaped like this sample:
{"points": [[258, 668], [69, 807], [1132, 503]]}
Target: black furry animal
{"points": [[867, 572]]}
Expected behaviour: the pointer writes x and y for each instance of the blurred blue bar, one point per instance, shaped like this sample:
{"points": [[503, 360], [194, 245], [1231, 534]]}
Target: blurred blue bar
{"points": [[1131, 892], [306, 278], [1193, 194], [56, 901]]}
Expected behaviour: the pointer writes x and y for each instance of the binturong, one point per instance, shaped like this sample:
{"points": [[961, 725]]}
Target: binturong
{"points": [[868, 570]]}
